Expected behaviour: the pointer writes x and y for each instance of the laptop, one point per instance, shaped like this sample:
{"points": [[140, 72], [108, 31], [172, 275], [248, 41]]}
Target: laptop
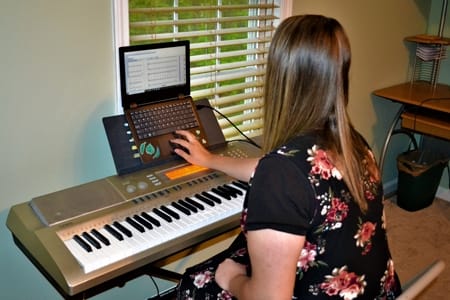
{"points": [[155, 90]]}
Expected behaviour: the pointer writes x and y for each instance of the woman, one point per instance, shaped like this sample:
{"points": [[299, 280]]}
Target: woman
{"points": [[313, 224]]}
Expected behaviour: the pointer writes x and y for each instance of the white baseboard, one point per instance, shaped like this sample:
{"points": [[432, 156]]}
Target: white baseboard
{"points": [[443, 193], [390, 188]]}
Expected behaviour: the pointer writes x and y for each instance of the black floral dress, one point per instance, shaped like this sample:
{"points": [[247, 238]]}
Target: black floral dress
{"points": [[297, 190]]}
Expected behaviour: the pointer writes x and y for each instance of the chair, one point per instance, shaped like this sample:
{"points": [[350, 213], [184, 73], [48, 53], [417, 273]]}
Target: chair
{"points": [[417, 284]]}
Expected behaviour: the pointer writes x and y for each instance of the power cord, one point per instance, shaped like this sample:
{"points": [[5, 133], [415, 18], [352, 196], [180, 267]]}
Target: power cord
{"points": [[247, 139], [415, 109], [168, 294], [158, 296]]}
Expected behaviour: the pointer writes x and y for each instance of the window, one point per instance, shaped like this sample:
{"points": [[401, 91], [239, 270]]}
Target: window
{"points": [[229, 41]]}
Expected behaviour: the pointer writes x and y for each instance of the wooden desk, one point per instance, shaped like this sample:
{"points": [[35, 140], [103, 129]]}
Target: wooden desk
{"points": [[420, 94], [425, 109]]}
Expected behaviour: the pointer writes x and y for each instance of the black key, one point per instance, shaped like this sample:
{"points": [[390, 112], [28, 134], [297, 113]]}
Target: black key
{"points": [[82, 243], [91, 240], [227, 191], [188, 205], [220, 193], [235, 190], [195, 203], [162, 215], [150, 219], [212, 197], [170, 212], [204, 199], [242, 184], [114, 232], [135, 224], [100, 237], [144, 222], [122, 229], [181, 208]]}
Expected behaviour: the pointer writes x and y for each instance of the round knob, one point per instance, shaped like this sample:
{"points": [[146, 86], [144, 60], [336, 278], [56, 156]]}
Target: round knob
{"points": [[130, 188], [142, 185]]}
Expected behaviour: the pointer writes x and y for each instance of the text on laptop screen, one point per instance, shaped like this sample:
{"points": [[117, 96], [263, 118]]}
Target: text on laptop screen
{"points": [[154, 69], [154, 72]]}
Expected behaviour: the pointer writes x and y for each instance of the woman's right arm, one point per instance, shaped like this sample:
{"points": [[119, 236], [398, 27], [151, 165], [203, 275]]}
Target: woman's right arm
{"points": [[239, 168], [196, 154]]}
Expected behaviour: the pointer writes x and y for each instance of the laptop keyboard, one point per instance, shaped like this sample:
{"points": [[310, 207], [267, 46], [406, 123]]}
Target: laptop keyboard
{"points": [[162, 119]]}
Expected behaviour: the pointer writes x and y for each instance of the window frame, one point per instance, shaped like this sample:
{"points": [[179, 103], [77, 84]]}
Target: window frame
{"points": [[122, 36]]}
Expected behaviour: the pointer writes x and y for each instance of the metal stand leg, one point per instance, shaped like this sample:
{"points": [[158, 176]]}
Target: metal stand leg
{"points": [[388, 138]]}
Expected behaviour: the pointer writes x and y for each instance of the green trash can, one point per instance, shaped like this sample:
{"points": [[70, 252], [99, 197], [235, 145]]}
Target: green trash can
{"points": [[419, 175]]}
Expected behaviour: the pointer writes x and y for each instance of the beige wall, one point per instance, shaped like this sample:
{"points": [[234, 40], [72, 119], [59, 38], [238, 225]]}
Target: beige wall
{"points": [[57, 82], [380, 58]]}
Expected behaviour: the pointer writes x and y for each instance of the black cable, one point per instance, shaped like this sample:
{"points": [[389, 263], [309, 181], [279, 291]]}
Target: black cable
{"points": [[432, 99], [249, 140], [415, 108], [415, 115], [157, 289]]}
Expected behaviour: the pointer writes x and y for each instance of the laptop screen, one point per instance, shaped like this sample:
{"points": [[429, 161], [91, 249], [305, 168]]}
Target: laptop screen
{"points": [[154, 72]]}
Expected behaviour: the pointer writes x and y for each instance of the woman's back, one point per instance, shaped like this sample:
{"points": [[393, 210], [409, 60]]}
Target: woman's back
{"points": [[346, 252], [311, 229]]}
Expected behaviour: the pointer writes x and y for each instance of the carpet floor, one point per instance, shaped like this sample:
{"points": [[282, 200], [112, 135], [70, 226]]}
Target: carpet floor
{"points": [[417, 239]]}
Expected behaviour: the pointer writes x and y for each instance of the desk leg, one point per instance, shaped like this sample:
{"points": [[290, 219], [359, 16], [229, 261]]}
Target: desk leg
{"points": [[388, 138], [393, 131]]}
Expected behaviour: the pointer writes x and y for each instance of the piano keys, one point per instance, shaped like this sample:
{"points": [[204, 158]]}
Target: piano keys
{"points": [[105, 245], [84, 237]]}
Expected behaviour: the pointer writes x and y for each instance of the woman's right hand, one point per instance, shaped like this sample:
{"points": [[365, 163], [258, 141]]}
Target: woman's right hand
{"points": [[194, 152]]}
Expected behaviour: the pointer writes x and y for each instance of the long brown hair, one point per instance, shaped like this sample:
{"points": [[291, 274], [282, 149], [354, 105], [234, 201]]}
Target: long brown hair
{"points": [[306, 90]]}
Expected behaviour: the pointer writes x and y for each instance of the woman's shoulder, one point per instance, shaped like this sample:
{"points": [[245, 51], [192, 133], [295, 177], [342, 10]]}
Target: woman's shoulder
{"points": [[293, 155], [297, 149]]}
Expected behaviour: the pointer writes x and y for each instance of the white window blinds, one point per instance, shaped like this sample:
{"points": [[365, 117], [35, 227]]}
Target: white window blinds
{"points": [[229, 43]]}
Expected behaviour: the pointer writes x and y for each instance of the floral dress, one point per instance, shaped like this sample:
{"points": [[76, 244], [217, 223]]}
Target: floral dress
{"points": [[297, 190]]}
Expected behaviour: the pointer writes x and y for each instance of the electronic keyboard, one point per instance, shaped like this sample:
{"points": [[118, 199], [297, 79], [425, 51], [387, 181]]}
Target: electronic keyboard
{"points": [[86, 235]]}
